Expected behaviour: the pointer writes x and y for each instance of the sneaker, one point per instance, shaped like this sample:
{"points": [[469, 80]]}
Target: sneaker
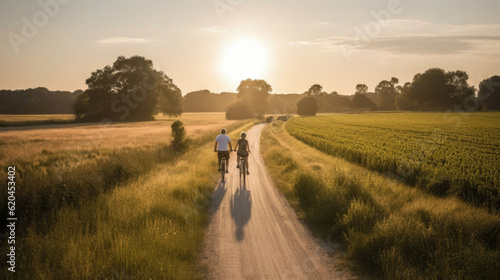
{"points": [[238, 166], [227, 171], [219, 169], [248, 173]]}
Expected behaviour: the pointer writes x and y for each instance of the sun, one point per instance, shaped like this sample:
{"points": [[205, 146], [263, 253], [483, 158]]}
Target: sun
{"points": [[243, 59]]}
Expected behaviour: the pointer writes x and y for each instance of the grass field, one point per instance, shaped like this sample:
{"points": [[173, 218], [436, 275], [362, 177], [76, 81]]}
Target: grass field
{"points": [[35, 118], [34, 143], [387, 228], [28, 120], [442, 153], [129, 207]]}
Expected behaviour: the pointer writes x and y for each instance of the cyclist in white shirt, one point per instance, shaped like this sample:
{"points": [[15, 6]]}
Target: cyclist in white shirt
{"points": [[221, 146]]}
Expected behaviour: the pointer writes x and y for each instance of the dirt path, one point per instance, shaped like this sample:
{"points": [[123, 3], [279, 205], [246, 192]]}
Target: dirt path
{"points": [[254, 234]]}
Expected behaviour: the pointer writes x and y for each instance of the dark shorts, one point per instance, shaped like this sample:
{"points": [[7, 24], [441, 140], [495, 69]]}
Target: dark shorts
{"points": [[242, 153], [223, 154]]}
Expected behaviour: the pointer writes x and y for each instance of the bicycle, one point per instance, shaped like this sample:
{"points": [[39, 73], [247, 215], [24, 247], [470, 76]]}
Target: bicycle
{"points": [[243, 171], [223, 164]]}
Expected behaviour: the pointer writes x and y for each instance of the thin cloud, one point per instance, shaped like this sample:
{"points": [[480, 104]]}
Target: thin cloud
{"points": [[429, 45], [214, 29], [326, 42], [484, 29], [408, 36], [404, 22], [123, 40], [418, 45]]}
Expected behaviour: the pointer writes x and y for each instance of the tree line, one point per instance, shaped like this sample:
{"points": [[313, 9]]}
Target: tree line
{"points": [[36, 101], [433, 90], [131, 90]]}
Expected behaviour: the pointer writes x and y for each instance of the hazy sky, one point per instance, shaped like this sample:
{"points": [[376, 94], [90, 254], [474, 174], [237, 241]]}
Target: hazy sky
{"points": [[209, 44]]}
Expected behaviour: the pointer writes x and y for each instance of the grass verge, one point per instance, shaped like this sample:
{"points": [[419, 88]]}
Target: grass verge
{"points": [[388, 229]]}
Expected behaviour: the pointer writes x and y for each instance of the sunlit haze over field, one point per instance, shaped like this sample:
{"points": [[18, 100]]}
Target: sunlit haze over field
{"points": [[214, 44]]}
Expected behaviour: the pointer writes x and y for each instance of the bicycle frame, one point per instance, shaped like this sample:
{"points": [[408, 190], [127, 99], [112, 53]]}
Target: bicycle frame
{"points": [[223, 166], [243, 170]]}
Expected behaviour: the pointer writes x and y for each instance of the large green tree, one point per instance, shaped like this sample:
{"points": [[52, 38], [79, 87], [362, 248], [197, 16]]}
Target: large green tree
{"points": [[128, 90]]}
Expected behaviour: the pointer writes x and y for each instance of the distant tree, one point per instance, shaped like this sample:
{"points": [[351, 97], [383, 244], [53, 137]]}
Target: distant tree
{"points": [[307, 106], [128, 90], [239, 111], [361, 101], [206, 101], [254, 94], [198, 101], [489, 93], [339, 103], [403, 102], [436, 89], [460, 88], [387, 91], [77, 92], [394, 81], [361, 88], [315, 90]]}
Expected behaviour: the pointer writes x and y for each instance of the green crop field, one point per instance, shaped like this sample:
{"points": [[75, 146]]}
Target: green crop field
{"points": [[390, 230], [442, 153]]}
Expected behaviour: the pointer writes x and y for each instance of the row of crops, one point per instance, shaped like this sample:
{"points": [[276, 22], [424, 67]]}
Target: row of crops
{"points": [[442, 153]]}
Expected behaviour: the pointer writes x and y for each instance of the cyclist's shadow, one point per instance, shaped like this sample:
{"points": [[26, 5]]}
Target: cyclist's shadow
{"points": [[217, 196], [241, 206]]}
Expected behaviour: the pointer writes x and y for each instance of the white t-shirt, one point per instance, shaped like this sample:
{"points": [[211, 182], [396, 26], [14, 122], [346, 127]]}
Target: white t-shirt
{"points": [[222, 139]]}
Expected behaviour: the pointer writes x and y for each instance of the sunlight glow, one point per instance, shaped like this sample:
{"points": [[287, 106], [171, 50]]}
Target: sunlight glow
{"points": [[243, 59]]}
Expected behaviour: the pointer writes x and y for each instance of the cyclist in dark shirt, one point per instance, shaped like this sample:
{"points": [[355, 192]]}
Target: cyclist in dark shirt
{"points": [[243, 149]]}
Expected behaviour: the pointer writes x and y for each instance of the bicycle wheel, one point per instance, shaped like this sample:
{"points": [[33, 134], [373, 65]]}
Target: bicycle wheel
{"points": [[239, 163], [223, 168], [244, 172]]}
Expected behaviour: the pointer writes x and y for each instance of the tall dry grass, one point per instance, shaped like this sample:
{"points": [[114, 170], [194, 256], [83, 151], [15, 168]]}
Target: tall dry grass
{"points": [[128, 213]]}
